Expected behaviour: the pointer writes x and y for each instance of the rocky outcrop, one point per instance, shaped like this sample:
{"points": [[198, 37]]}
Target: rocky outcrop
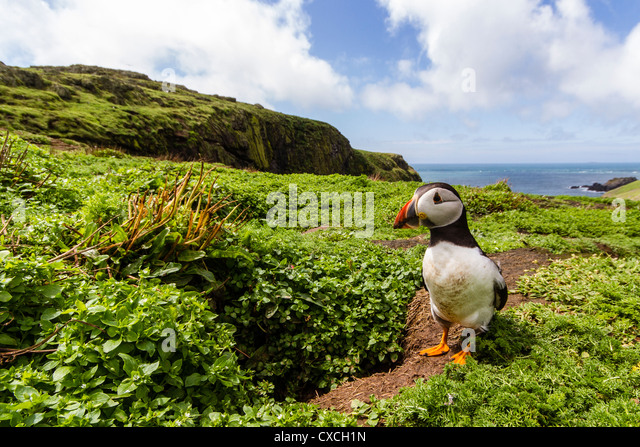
{"points": [[121, 109], [609, 185]]}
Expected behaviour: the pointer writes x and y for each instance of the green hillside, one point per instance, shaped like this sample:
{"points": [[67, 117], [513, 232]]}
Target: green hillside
{"points": [[629, 191], [104, 108]]}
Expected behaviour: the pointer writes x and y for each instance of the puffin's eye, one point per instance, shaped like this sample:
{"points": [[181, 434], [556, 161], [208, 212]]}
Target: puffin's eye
{"points": [[437, 199]]}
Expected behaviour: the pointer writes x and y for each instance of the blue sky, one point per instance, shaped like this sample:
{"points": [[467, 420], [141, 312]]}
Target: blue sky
{"points": [[437, 81]]}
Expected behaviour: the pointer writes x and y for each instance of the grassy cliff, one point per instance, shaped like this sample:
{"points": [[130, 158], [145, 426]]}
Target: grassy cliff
{"points": [[630, 191], [101, 107]]}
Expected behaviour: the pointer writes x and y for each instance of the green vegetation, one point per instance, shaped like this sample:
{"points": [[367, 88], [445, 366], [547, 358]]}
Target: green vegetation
{"points": [[122, 110], [630, 191], [145, 292]]}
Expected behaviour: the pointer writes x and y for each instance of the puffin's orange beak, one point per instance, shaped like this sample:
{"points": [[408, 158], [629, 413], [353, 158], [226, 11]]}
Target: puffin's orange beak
{"points": [[407, 218]]}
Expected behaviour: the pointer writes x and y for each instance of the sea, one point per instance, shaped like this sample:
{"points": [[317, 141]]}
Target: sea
{"points": [[531, 178]]}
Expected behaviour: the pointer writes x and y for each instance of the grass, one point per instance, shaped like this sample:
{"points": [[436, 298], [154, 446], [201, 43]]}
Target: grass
{"points": [[630, 191], [258, 316]]}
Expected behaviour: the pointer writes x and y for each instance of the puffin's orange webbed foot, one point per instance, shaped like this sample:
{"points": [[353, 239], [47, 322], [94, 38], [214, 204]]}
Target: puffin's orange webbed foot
{"points": [[440, 348], [436, 350], [460, 357]]}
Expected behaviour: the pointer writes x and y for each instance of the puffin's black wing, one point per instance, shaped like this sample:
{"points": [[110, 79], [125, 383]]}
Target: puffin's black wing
{"points": [[424, 283], [500, 289], [502, 293]]}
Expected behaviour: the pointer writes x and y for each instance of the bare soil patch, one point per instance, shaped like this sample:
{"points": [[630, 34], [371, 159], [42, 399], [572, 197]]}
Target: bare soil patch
{"points": [[422, 331]]}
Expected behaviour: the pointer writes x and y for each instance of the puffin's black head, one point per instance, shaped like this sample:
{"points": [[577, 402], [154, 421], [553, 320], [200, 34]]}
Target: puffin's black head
{"points": [[434, 205]]}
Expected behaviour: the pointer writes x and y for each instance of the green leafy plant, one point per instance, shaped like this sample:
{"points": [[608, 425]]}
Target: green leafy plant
{"points": [[494, 198], [119, 364], [165, 231], [15, 170], [307, 317]]}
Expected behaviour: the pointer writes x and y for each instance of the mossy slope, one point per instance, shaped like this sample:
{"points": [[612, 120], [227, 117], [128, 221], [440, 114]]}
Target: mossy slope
{"points": [[114, 108], [630, 191]]}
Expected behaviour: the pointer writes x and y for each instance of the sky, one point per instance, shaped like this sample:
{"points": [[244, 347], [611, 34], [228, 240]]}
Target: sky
{"points": [[438, 81]]}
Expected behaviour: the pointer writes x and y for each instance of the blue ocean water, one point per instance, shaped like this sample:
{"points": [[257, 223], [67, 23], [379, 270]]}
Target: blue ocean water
{"points": [[542, 179]]}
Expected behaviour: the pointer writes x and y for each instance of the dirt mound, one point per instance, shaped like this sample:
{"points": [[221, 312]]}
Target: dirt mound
{"points": [[422, 331]]}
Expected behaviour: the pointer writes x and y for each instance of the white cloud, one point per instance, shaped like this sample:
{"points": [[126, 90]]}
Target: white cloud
{"points": [[525, 54], [253, 50]]}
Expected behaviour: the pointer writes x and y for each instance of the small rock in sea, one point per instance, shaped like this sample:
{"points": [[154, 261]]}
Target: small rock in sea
{"points": [[598, 187]]}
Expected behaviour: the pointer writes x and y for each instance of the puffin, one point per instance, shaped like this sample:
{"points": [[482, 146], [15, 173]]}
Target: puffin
{"points": [[465, 286]]}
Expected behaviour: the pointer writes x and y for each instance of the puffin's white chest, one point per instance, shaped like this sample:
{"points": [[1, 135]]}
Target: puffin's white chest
{"points": [[461, 283]]}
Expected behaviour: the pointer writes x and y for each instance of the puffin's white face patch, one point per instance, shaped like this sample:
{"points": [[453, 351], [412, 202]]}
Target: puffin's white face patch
{"points": [[440, 206]]}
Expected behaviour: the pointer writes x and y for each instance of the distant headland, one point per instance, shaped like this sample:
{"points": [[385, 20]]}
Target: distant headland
{"points": [[609, 185]]}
